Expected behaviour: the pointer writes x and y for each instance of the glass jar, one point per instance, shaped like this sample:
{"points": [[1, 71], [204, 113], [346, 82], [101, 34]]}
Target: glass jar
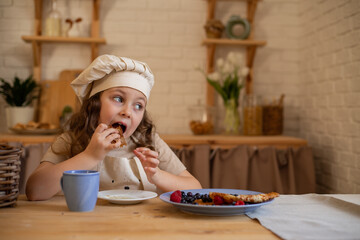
{"points": [[252, 115], [273, 119], [201, 119], [53, 21]]}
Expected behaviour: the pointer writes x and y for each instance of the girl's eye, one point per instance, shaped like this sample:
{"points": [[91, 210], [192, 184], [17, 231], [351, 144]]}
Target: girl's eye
{"points": [[138, 106], [118, 99]]}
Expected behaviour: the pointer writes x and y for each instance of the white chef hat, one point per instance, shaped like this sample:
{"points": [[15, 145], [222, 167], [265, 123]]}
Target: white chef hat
{"points": [[108, 71]]}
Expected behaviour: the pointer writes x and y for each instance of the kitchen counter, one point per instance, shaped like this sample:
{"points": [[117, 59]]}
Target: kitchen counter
{"points": [[178, 140]]}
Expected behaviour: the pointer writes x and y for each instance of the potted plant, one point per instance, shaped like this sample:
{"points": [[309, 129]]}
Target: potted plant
{"points": [[19, 96]]}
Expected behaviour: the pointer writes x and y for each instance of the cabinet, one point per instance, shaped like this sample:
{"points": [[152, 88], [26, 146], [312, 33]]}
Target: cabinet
{"points": [[37, 39], [250, 44]]}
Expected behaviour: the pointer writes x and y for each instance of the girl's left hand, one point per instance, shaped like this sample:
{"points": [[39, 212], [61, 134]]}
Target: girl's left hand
{"points": [[149, 161]]}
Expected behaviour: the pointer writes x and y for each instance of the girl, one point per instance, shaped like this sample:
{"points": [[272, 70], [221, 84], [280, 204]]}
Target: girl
{"points": [[113, 91]]}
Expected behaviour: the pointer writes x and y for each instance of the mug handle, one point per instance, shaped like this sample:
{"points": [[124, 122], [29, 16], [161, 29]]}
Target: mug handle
{"points": [[61, 183]]}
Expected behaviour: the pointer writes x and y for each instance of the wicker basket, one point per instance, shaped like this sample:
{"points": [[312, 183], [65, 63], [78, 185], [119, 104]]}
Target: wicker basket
{"points": [[9, 175]]}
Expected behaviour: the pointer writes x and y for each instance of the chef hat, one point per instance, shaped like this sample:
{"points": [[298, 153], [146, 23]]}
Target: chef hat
{"points": [[108, 71]]}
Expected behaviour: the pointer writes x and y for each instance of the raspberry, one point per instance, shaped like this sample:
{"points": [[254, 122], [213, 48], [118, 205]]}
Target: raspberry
{"points": [[239, 203], [218, 200], [176, 196]]}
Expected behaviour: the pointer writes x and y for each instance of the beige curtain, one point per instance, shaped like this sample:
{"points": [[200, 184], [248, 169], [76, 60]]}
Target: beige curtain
{"points": [[197, 161], [246, 167]]}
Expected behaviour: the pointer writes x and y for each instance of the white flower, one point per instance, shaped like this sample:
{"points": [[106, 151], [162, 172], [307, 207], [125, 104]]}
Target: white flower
{"points": [[233, 69], [215, 76], [231, 58], [220, 63], [228, 68], [243, 72]]}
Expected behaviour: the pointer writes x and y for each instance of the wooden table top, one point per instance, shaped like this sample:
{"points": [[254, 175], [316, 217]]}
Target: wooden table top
{"points": [[150, 219]]}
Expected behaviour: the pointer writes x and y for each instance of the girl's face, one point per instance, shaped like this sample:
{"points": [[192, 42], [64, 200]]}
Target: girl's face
{"points": [[124, 106]]}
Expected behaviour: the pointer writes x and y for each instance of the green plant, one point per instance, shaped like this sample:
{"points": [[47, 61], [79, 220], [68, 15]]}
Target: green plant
{"points": [[228, 78], [20, 92]]}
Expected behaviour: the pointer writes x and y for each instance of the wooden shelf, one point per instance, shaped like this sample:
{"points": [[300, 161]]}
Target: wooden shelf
{"points": [[250, 44], [229, 141], [220, 41], [178, 141], [46, 39], [38, 39]]}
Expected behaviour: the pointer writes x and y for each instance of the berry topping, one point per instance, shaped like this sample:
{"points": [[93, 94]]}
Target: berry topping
{"points": [[239, 202], [176, 196], [218, 200]]}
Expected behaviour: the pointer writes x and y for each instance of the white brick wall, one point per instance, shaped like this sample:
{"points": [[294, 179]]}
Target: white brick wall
{"points": [[312, 55], [330, 100]]}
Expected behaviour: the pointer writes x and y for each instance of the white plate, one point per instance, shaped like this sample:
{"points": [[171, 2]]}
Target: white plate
{"points": [[214, 210], [126, 196]]}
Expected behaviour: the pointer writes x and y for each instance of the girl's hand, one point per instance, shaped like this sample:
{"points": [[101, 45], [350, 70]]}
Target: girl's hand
{"points": [[101, 142], [149, 161]]}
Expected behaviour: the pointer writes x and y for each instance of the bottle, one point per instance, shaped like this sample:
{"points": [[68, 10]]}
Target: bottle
{"points": [[53, 22]]}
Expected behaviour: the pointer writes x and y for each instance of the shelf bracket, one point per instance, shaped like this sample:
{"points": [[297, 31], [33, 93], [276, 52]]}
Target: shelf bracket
{"points": [[210, 98], [36, 46]]}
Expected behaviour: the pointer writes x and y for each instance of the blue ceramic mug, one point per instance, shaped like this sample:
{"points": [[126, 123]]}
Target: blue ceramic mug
{"points": [[80, 188]]}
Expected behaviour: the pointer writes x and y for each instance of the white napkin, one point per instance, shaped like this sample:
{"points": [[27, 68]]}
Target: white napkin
{"points": [[310, 216]]}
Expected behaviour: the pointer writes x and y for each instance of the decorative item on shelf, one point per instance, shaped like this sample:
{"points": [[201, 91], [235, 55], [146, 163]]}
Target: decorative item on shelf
{"points": [[232, 118], [53, 21], [252, 113], [227, 80], [214, 28], [202, 119], [68, 27], [73, 28], [273, 119], [19, 96], [232, 23]]}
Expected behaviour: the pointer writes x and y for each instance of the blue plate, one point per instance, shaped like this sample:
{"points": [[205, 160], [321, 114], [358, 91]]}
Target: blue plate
{"points": [[213, 210]]}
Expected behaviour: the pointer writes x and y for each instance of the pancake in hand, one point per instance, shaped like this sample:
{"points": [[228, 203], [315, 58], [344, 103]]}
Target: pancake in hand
{"points": [[122, 140]]}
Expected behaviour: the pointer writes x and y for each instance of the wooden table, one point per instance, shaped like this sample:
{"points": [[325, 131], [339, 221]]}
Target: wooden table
{"points": [[151, 219]]}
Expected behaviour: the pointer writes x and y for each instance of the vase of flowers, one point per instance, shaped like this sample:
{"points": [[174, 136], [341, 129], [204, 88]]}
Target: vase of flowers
{"points": [[228, 80]]}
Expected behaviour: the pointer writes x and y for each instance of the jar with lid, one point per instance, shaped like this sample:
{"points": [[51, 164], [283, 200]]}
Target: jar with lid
{"points": [[53, 21], [201, 119], [252, 115]]}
